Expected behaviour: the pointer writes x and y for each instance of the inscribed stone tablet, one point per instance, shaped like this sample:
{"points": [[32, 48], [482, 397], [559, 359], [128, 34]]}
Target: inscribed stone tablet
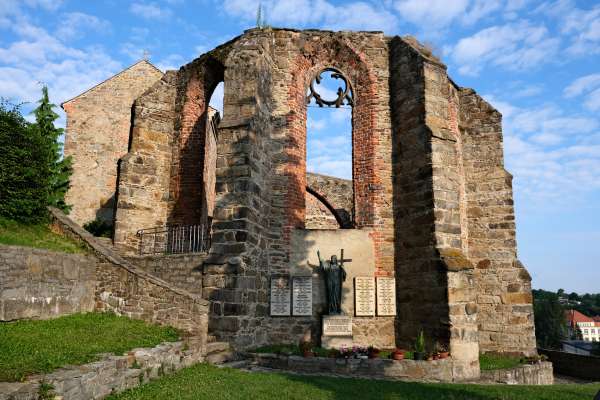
{"points": [[386, 296], [364, 296], [302, 295], [280, 296], [337, 325]]}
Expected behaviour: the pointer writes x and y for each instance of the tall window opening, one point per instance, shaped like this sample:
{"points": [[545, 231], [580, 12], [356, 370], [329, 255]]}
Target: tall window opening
{"points": [[329, 194]]}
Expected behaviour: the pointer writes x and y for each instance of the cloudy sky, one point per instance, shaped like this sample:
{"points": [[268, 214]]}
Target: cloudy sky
{"points": [[538, 62]]}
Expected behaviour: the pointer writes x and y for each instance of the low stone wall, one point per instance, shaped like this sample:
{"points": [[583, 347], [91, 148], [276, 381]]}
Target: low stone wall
{"points": [[40, 284], [181, 270], [128, 290], [575, 365], [535, 374], [404, 370], [112, 374]]}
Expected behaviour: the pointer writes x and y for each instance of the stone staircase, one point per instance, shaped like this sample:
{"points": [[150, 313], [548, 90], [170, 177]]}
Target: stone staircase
{"points": [[219, 353]]}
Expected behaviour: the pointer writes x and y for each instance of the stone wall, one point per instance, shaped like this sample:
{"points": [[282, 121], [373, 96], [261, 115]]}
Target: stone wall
{"points": [[505, 318], [111, 374], [337, 193], [403, 370], [126, 289], [575, 365], [180, 270], [40, 284], [536, 374], [97, 136]]}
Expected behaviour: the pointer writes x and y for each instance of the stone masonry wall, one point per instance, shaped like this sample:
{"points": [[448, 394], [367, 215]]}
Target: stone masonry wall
{"points": [[180, 270], [97, 136], [126, 289], [504, 297], [40, 284], [338, 193]]}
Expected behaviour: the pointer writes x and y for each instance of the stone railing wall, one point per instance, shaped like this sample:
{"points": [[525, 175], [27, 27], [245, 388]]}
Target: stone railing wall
{"points": [[128, 290], [111, 374], [575, 365], [39, 283], [181, 270], [536, 374]]}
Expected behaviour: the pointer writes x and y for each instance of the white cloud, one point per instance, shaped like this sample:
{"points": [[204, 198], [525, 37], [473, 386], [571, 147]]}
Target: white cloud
{"points": [[73, 25], [438, 13], [514, 46], [216, 99], [315, 13], [150, 11], [588, 85]]}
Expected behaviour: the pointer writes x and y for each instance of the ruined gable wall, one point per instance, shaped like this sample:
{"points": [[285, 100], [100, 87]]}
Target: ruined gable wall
{"points": [[145, 171], [97, 136], [504, 296]]}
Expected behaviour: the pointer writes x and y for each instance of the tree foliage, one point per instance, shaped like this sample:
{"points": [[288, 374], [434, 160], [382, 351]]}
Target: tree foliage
{"points": [[550, 322], [33, 174]]}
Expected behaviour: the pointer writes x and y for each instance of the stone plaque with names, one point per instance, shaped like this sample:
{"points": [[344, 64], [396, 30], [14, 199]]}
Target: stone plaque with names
{"points": [[386, 296], [280, 296], [302, 295], [337, 325], [364, 296]]}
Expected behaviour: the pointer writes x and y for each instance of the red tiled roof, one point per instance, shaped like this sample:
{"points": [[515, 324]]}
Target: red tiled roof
{"points": [[574, 316]]}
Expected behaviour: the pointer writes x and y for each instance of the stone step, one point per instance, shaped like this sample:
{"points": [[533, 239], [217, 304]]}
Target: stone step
{"points": [[220, 357], [216, 347]]}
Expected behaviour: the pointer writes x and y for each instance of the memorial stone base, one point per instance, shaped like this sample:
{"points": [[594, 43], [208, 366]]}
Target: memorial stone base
{"points": [[337, 332]]}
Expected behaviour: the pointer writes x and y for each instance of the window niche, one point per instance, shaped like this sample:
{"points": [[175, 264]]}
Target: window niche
{"points": [[329, 160]]}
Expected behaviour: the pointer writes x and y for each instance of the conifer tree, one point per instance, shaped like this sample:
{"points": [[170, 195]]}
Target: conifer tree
{"points": [[59, 168]]}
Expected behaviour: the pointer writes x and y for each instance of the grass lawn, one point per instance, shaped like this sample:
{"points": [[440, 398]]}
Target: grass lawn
{"points": [[493, 361], [39, 235], [28, 347], [203, 381]]}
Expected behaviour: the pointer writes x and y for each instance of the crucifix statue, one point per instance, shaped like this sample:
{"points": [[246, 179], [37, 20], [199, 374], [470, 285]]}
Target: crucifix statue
{"points": [[335, 274]]}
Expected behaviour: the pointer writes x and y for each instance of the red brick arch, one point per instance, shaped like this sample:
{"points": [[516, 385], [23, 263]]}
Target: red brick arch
{"points": [[315, 56]]}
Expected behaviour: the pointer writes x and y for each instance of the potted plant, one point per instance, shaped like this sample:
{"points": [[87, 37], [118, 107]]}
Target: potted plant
{"points": [[419, 353], [373, 352], [442, 350], [306, 348], [398, 354]]}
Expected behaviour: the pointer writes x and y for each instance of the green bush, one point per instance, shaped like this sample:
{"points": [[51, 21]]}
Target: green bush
{"points": [[33, 174], [99, 228]]}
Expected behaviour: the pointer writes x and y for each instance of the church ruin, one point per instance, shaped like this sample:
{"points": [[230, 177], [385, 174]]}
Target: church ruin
{"points": [[428, 215]]}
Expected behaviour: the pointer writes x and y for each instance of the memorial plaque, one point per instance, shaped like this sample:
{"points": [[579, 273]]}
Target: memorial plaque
{"points": [[364, 296], [280, 296], [302, 295], [386, 296], [337, 325]]}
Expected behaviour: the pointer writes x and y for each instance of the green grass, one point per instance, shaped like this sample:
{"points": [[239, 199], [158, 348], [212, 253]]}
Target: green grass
{"points": [[39, 235], [494, 361], [28, 347], [203, 381]]}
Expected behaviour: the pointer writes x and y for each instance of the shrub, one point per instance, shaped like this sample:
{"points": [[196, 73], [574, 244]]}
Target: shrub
{"points": [[99, 228]]}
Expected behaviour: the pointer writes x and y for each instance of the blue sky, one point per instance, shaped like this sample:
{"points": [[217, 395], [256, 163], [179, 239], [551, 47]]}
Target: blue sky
{"points": [[538, 62]]}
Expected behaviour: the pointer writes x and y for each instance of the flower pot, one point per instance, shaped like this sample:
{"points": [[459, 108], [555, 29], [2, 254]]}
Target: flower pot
{"points": [[444, 354], [373, 354], [398, 356], [419, 356], [308, 354]]}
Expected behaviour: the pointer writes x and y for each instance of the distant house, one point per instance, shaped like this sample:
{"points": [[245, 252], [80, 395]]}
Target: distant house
{"points": [[582, 326]]}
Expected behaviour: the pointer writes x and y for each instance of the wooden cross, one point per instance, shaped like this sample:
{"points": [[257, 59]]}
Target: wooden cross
{"points": [[342, 260]]}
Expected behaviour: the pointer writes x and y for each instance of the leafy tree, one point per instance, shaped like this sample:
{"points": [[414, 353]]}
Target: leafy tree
{"points": [[33, 174], [550, 323]]}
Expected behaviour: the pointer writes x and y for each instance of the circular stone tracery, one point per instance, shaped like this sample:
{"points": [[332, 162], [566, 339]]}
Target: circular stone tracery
{"points": [[344, 94]]}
